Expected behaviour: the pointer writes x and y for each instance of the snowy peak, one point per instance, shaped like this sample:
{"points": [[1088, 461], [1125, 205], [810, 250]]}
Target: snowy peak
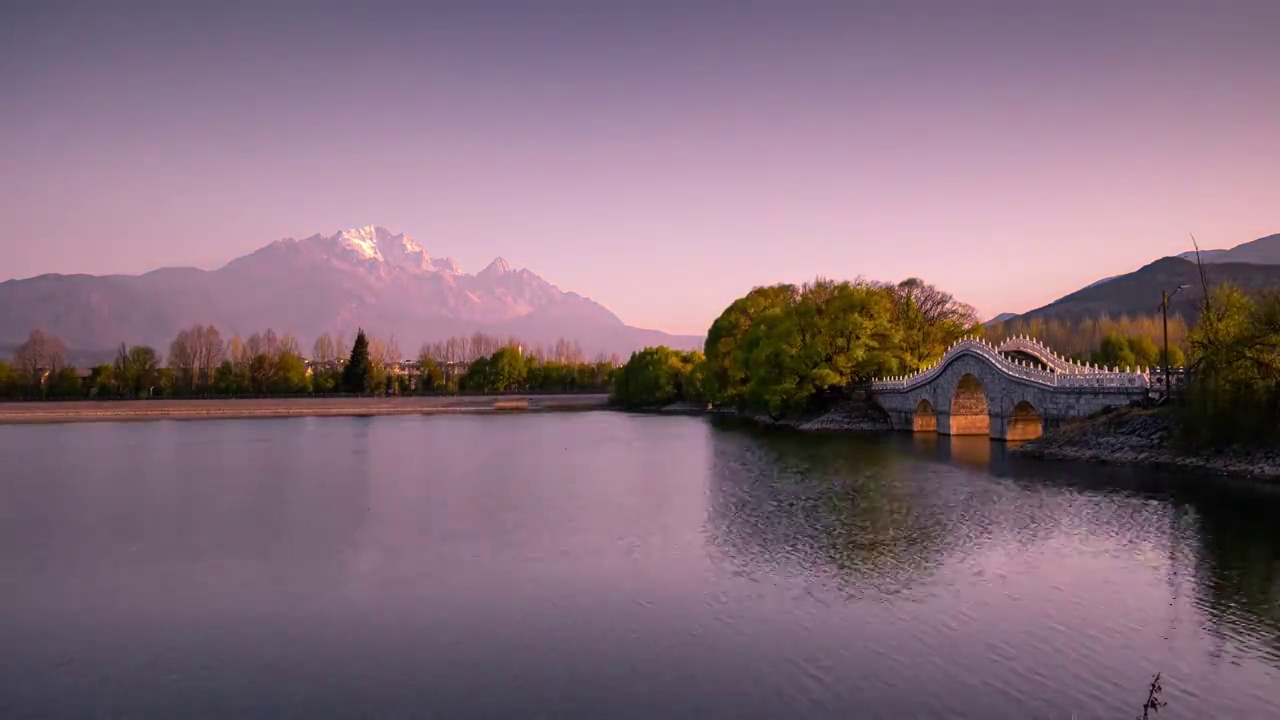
{"points": [[378, 244], [497, 267]]}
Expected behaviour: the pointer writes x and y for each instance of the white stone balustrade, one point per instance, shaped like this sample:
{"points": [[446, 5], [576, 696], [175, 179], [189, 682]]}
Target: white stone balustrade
{"points": [[1062, 372]]}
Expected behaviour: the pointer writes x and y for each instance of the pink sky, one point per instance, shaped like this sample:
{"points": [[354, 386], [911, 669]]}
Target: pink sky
{"points": [[661, 162]]}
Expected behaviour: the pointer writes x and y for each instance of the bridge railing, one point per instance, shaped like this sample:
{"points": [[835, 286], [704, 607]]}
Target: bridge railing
{"points": [[1046, 354], [1082, 376]]}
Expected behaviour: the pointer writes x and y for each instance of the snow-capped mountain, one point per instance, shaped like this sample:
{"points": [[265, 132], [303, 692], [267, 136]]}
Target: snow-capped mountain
{"points": [[364, 277]]}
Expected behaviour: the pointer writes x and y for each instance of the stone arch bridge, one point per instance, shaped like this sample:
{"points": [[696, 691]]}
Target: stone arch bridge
{"points": [[1010, 391]]}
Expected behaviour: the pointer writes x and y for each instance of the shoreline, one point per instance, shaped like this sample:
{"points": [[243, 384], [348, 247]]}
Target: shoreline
{"points": [[35, 413], [1143, 437], [1133, 437]]}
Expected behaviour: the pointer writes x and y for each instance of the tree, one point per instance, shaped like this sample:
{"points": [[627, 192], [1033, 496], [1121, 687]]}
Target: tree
{"points": [[8, 380], [41, 354], [136, 370], [930, 321], [324, 351], [66, 384], [102, 381], [430, 377], [182, 360], [1233, 396], [226, 381], [506, 370], [780, 347], [357, 375], [657, 376], [290, 375]]}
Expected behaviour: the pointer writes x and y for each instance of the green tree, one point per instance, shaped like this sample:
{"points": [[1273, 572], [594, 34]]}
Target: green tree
{"points": [[357, 376], [1115, 351], [289, 376], [506, 370], [1233, 396], [226, 380], [8, 380], [780, 348], [137, 370], [66, 384], [102, 381], [1146, 353], [326, 379], [478, 377], [657, 376], [430, 377]]}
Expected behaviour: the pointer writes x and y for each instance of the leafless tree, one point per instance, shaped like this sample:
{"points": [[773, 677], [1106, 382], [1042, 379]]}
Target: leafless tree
{"points": [[936, 306], [209, 353], [568, 351], [324, 351], [256, 345], [182, 357], [238, 351], [287, 345], [41, 353]]}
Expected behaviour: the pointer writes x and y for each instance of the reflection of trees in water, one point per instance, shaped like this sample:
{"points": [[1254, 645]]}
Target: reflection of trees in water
{"points": [[789, 503], [884, 514], [1225, 529], [1239, 568]]}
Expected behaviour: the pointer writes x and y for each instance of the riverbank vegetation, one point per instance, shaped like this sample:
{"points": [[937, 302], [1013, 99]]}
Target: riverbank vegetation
{"points": [[1232, 396], [659, 376], [784, 349], [199, 363]]}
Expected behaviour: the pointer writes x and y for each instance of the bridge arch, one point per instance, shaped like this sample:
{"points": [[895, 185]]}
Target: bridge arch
{"points": [[974, 388], [1024, 422], [970, 411], [924, 418]]}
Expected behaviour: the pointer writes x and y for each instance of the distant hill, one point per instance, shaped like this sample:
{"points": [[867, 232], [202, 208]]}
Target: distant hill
{"points": [[1002, 317], [366, 277], [1263, 251], [1138, 292]]}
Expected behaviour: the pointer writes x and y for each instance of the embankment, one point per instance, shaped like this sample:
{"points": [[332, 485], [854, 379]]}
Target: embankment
{"points": [[221, 408], [1145, 437]]}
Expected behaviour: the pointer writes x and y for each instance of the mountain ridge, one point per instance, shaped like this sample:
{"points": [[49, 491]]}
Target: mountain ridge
{"points": [[364, 277], [1253, 266]]}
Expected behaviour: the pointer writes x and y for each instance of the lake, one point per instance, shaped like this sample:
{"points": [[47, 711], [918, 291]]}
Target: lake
{"points": [[603, 565]]}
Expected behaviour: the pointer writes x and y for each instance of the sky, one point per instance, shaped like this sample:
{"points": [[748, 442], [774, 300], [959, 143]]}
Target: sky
{"points": [[662, 158]]}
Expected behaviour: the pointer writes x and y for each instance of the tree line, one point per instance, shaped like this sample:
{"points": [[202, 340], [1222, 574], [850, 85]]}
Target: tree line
{"points": [[199, 363], [1104, 340]]}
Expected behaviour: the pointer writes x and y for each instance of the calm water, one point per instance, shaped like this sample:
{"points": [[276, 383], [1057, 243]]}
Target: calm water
{"points": [[609, 566]]}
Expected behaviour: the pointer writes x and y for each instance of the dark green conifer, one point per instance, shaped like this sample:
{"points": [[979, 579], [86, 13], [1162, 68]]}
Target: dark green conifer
{"points": [[359, 370]]}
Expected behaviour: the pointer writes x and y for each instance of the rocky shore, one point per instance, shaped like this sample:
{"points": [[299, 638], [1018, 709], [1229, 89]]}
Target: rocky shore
{"points": [[1144, 437]]}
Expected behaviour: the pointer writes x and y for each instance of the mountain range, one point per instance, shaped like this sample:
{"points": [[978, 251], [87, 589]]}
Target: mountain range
{"points": [[365, 277], [1253, 267]]}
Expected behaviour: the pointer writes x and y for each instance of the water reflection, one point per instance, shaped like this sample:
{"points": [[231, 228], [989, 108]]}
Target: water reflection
{"points": [[882, 515], [604, 565]]}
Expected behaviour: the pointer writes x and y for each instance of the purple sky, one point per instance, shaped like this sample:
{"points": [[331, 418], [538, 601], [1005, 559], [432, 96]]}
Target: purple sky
{"points": [[662, 159]]}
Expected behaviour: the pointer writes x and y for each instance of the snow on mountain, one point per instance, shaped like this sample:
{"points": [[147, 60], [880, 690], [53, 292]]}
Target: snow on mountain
{"points": [[364, 277]]}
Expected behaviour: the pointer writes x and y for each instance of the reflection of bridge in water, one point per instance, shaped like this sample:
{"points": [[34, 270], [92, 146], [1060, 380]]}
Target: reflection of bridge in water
{"points": [[1010, 391]]}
